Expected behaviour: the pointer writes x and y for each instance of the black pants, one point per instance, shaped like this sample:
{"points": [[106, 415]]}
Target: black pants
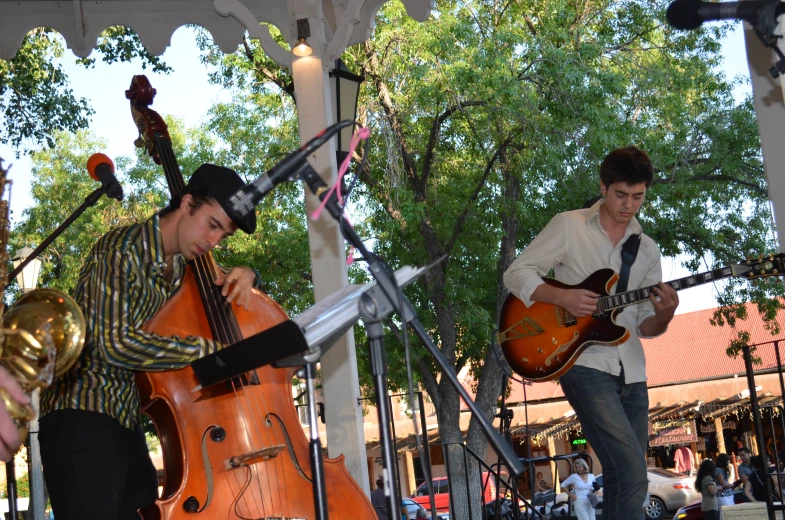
{"points": [[712, 514], [95, 469]]}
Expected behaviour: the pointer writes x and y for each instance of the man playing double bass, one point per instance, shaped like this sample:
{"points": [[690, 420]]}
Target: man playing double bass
{"points": [[607, 385], [95, 458]]}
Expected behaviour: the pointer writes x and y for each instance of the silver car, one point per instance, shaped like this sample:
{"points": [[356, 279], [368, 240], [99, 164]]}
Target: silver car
{"points": [[668, 491]]}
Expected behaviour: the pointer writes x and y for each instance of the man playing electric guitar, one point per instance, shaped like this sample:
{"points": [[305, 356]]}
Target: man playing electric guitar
{"points": [[607, 385]]}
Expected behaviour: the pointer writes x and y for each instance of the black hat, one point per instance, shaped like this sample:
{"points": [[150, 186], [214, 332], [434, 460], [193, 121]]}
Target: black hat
{"points": [[221, 183]]}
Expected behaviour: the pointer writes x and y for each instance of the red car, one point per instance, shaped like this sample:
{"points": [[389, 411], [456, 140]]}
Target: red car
{"points": [[441, 492]]}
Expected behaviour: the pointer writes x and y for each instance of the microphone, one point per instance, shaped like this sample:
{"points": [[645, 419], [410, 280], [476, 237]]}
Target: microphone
{"points": [[101, 168], [690, 14], [246, 199]]}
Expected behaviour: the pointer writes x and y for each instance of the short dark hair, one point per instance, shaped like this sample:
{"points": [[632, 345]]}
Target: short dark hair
{"points": [[746, 450], [200, 197], [379, 482], [629, 165]]}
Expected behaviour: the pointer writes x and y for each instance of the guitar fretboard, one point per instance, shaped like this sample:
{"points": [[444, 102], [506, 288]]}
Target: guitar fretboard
{"points": [[617, 301]]}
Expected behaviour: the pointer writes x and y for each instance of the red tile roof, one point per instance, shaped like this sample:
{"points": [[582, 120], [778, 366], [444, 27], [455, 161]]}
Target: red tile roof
{"points": [[691, 349]]}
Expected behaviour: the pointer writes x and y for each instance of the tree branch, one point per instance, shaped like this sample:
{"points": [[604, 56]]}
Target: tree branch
{"points": [[488, 168], [267, 73], [385, 100], [433, 138]]}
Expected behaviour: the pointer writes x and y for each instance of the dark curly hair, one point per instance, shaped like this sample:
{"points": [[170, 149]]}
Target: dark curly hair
{"points": [[629, 165]]}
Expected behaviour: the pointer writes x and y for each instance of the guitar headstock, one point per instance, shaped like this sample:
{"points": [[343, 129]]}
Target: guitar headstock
{"points": [[149, 123], [763, 266]]}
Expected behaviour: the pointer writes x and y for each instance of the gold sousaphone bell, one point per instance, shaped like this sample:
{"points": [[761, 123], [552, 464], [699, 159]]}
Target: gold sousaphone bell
{"points": [[44, 332]]}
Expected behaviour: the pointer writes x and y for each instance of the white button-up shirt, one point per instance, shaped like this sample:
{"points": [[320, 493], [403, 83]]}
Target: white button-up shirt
{"points": [[574, 245]]}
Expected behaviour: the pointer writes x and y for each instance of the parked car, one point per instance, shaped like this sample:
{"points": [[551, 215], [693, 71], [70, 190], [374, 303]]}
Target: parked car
{"points": [[441, 492], [668, 491], [693, 511], [410, 507]]}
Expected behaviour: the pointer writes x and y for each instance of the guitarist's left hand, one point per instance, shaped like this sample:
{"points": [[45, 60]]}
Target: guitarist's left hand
{"points": [[665, 300]]}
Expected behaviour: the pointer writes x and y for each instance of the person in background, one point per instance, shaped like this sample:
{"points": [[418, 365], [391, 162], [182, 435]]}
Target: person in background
{"points": [[721, 477], [745, 468], [704, 482], [579, 485], [540, 486], [379, 501], [755, 486]]}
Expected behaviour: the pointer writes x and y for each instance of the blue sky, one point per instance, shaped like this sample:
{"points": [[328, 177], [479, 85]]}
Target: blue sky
{"points": [[186, 93]]}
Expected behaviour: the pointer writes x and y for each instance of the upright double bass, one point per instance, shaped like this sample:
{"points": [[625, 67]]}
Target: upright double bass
{"points": [[233, 451]]}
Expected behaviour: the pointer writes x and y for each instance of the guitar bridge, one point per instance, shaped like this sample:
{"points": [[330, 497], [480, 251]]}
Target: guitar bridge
{"points": [[525, 328]]}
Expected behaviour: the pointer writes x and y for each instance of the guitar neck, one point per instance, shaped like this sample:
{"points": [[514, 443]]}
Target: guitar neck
{"points": [[617, 301]]}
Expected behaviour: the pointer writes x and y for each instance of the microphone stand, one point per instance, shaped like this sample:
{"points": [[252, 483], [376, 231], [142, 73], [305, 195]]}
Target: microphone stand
{"points": [[373, 309], [89, 201]]}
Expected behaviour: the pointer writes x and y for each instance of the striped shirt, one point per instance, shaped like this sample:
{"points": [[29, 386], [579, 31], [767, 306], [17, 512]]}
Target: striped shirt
{"points": [[120, 287]]}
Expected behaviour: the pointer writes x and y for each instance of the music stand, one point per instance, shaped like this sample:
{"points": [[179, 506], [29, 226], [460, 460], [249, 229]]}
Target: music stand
{"points": [[302, 341]]}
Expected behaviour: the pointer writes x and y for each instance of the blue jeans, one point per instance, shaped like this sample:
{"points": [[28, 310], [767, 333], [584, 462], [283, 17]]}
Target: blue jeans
{"points": [[614, 417]]}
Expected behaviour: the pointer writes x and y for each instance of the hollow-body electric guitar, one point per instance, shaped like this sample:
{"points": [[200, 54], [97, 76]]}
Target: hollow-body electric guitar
{"points": [[543, 341]]}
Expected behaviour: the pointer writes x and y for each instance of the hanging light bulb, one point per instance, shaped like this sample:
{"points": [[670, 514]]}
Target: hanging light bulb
{"points": [[301, 48]]}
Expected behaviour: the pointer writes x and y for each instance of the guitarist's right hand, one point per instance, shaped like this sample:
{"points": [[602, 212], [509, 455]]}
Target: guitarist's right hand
{"points": [[578, 302]]}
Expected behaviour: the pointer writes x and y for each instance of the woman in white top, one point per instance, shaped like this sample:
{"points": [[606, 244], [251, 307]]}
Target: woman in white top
{"points": [[579, 486]]}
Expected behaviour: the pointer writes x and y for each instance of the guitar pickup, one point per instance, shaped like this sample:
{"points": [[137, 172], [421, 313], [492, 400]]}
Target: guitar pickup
{"points": [[564, 318]]}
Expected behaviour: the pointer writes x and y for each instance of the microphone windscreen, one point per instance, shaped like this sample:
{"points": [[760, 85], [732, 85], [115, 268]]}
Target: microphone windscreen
{"points": [[94, 161], [683, 14]]}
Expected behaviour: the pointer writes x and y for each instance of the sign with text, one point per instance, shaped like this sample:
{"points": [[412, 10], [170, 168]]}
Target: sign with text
{"points": [[726, 425], [682, 434]]}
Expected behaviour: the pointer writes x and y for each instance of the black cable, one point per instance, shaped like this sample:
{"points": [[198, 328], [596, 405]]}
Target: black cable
{"points": [[502, 365]]}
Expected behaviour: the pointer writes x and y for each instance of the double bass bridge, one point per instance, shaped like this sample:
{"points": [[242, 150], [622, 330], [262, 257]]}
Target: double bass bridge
{"points": [[254, 457]]}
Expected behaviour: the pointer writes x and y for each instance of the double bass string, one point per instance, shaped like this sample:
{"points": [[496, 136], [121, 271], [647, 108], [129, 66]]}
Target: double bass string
{"points": [[226, 330], [224, 310]]}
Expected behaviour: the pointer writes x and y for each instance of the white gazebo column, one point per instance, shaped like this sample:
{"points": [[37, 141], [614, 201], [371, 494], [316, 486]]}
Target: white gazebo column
{"points": [[340, 382], [770, 113]]}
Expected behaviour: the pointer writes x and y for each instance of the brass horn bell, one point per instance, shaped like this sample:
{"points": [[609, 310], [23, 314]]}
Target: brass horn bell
{"points": [[44, 334]]}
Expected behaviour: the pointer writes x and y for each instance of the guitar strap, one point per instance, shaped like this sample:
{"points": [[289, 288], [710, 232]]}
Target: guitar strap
{"points": [[628, 253]]}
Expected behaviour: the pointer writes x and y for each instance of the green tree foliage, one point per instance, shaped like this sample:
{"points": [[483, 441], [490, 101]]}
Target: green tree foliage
{"points": [[494, 115], [35, 97]]}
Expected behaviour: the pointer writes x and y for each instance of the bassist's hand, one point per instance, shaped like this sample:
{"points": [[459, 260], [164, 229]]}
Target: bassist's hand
{"points": [[238, 285], [579, 302]]}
